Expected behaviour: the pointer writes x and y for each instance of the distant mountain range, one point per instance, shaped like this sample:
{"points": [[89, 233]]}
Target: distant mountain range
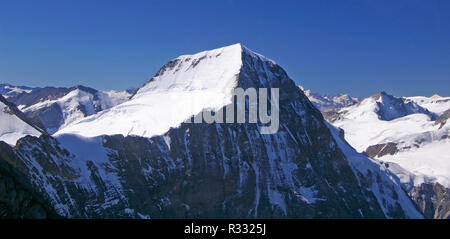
{"points": [[411, 134], [56, 108], [326, 103], [85, 153]]}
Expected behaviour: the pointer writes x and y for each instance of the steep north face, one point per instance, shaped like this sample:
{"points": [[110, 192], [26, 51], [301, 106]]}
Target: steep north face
{"points": [[305, 170]]}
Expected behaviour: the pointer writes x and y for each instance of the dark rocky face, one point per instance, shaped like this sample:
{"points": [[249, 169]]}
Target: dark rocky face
{"points": [[18, 199], [443, 118], [391, 107], [51, 117], [433, 200], [380, 150]]}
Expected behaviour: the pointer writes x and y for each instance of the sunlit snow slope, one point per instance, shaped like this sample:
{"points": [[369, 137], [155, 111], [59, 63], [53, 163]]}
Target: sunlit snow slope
{"points": [[436, 104], [12, 127], [182, 88]]}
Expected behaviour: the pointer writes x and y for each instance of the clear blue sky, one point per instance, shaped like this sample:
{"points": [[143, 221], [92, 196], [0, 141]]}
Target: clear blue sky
{"points": [[358, 47]]}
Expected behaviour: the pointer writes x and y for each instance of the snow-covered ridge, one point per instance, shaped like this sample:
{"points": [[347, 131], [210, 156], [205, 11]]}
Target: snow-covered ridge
{"points": [[208, 70], [100, 100], [182, 88], [436, 104], [12, 127], [59, 107], [8, 90], [257, 55]]}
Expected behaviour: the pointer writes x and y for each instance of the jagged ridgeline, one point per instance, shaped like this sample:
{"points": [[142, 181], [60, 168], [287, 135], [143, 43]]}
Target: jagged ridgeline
{"points": [[140, 159]]}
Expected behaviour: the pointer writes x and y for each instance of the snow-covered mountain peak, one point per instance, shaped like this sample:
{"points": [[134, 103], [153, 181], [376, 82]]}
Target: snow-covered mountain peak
{"points": [[402, 130], [435, 96], [301, 171], [380, 95], [212, 70], [389, 107], [381, 112], [183, 87]]}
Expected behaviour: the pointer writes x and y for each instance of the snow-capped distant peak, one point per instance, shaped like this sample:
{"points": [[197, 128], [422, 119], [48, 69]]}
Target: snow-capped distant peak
{"points": [[363, 122], [8, 90], [327, 103], [388, 107], [435, 96]]}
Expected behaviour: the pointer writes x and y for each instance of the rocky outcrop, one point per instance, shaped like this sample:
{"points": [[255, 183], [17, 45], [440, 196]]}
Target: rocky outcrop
{"points": [[443, 118], [381, 150], [433, 199], [333, 115], [18, 199]]}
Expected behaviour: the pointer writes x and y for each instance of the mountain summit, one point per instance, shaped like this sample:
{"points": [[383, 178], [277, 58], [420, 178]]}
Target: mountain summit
{"points": [[184, 87]]}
